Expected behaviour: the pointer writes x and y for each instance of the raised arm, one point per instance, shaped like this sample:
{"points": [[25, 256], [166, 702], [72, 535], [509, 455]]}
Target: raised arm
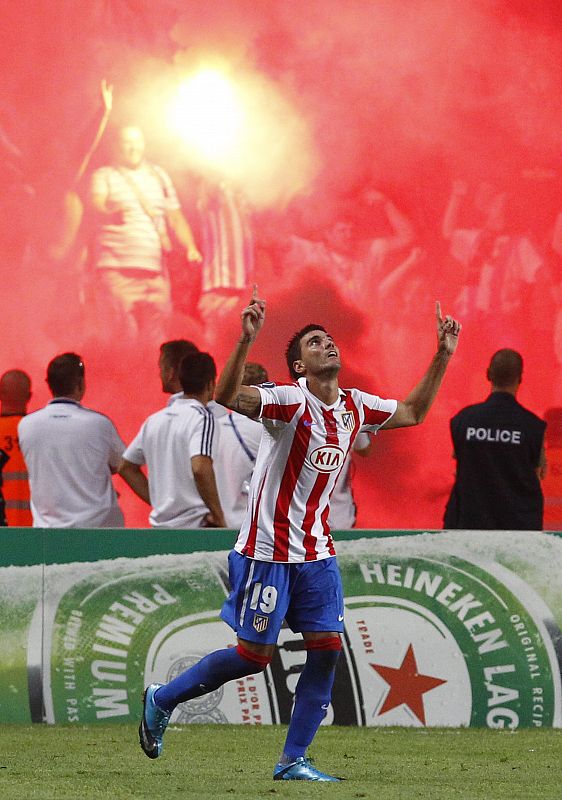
{"points": [[414, 408], [230, 392], [402, 229], [64, 234], [393, 281], [106, 90]]}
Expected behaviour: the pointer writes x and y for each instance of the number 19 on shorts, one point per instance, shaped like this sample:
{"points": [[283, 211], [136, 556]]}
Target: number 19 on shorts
{"points": [[263, 599]]}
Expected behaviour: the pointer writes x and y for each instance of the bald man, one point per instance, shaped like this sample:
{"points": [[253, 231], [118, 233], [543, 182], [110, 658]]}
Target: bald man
{"points": [[15, 393], [137, 210], [499, 449]]}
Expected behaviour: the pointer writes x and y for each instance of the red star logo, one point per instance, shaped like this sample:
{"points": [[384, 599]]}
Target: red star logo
{"points": [[407, 686]]}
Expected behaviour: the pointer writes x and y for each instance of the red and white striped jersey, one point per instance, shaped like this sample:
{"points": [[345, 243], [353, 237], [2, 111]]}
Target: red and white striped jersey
{"points": [[302, 450]]}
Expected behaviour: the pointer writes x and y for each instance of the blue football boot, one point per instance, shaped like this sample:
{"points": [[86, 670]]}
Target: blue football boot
{"points": [[301, 770], [153, 724]]}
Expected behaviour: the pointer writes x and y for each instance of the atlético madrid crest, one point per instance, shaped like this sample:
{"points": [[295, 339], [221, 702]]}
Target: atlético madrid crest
{"points": [[260, 622], [348, 420]]}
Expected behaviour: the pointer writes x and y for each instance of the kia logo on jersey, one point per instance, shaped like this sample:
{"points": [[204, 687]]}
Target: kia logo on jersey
{"points": [[327, 458]]}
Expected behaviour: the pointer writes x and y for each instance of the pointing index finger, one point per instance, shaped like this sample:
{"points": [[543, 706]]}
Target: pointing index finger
{"points": [[438, 311]]}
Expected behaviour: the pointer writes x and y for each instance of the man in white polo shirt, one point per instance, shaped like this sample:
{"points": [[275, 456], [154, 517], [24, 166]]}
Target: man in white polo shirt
{"points": [[171, 355], [71, 452], [239, 443], [178, 444]]}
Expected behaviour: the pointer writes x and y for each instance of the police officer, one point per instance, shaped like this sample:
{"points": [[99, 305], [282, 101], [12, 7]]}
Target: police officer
{"points": [[498, 446]]}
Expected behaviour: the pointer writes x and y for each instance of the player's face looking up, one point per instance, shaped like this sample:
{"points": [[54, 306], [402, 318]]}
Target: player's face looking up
{"points": [[319, 354]]}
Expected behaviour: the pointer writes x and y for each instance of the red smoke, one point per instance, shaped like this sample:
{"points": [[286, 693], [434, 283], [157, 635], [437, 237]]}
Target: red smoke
{"points": [[403, 97]]}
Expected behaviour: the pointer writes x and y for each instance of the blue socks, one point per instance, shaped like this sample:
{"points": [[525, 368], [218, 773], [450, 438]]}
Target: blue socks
{"points": [[312, 698], [208, 674]]}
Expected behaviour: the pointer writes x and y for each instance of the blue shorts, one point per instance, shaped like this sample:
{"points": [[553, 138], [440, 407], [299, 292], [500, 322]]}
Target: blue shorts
{"points": [[309, 596]]}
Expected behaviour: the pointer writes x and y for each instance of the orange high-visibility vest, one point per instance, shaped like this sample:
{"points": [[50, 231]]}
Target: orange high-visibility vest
{"points": [[15, 483]]}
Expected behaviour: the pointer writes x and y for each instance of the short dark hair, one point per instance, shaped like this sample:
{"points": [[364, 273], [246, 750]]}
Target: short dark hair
{"points": [[293, 351], [176, 349], [506, 368], [64, 374], [195, 372]]}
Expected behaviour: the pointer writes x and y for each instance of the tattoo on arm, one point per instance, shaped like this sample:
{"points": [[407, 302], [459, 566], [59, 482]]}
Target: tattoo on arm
{"points": [[247, 403]]}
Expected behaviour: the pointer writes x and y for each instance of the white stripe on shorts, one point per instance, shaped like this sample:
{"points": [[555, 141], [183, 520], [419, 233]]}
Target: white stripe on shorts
{"points": [[246, 593]]}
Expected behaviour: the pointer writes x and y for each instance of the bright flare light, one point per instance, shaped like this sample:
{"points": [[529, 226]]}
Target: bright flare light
{"points": [[208, 115]]}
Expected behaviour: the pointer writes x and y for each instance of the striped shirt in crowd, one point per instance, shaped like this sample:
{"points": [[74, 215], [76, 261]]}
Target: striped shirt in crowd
{"points": [[134, 242], [227, 241]]}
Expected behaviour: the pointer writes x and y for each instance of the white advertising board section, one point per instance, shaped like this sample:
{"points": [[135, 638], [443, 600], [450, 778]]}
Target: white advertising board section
{"points": [[448, 629]]}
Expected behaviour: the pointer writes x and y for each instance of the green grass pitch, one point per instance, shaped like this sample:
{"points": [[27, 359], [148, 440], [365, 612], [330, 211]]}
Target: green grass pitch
{"points": [[222, 761]]}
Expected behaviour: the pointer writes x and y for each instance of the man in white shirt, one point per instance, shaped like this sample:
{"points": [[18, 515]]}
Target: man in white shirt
{"points": [[171, 355], [178, 445], [283, 566], [239, 442], [71, 452]]}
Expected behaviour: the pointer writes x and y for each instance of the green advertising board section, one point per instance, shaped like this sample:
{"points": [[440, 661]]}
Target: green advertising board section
{"points": [[441, 628], [26, 546]]}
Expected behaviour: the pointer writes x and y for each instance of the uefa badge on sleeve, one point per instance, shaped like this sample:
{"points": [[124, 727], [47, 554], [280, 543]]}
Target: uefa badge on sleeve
{"points": [[260, 622]]}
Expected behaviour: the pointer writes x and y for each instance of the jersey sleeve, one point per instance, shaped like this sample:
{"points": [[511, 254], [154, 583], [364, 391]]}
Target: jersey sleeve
{"points": [[376, 411], [135, 452], [203, 438], [99, 183], [171, 197], [279, 403], [114, 443]]}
